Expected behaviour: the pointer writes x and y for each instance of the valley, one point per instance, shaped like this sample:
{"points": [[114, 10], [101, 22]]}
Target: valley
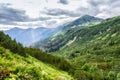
{"points": [[59, 39], [87, 48]]}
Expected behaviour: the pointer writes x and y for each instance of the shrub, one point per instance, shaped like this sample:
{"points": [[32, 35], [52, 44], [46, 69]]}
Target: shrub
{"points": [[118, 76], [111, 75], [93, 68], [86, 67], [2, 50]]}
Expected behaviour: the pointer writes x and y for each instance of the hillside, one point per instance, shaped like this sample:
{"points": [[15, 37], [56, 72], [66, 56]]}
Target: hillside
{"points": [[94, 49], [87, 52], [20, 62], [40, 34], [105, 32], [59, 40], [101, 36], [80, 22], [14, 67]]}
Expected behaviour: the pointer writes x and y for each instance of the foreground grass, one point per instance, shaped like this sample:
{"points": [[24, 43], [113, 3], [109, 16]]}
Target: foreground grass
{"points": [[15, 67]]}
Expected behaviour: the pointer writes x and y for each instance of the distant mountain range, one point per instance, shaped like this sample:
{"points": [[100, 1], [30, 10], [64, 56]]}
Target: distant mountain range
{"points": [[29, 36]]}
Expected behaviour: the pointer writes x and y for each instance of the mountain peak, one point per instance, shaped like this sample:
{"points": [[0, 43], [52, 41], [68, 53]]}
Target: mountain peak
{"points": [[88, 17], [83, 20]]}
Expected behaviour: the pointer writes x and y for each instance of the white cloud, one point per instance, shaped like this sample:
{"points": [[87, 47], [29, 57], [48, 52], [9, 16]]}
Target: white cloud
{"points": [[63, 2], [46, 12]]}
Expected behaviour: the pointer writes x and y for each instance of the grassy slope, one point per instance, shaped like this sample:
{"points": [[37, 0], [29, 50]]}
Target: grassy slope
{"points": [[95, 45], [13, 66], [98, 36]]}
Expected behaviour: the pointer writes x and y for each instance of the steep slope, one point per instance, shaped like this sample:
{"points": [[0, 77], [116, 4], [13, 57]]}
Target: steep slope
{"points": [[21, 62], [93, 50], [80, 35], [78, 23], [14, 67], [105, 34]]}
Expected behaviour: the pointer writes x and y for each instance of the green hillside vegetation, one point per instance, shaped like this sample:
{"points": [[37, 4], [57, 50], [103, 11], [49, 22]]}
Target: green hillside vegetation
{"points": [[49, 44], [89, 52], [93, 49], [106, 32], [12, 45], [17, 48], [25, 63], [15, 67]]}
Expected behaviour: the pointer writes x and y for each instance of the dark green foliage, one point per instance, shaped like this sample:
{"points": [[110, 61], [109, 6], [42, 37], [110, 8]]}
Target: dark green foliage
{"points": [[84, 75], [2, 50], [111, 75], [58, 62], [12, 45], [85, 67]]}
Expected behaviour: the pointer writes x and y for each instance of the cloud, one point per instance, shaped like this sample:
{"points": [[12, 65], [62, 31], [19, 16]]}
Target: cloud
{"points": [[100, 8], [34, 14], [51, 22], [9, 15], [41, 18], [108, 9], [95, 2], [63, 2], [60, 12]]}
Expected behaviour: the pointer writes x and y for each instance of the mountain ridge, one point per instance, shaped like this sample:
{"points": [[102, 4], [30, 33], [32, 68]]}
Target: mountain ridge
{"points": [[30, 36], [81, 21], [77, 23]]}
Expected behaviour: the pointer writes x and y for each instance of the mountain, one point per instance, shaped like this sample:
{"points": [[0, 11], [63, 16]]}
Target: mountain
{"points": [[78, 23], [23, 63], [82, 21], [28, 36], [95, 49], [78, 36], [87, 52], [107, 31]]}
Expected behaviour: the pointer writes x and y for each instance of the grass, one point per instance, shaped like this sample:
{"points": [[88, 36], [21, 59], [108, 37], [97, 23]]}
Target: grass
{"points": [[28, 68]]}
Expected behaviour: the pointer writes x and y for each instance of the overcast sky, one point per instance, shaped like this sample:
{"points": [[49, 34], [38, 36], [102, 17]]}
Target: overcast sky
{"points": [[51, 13]]}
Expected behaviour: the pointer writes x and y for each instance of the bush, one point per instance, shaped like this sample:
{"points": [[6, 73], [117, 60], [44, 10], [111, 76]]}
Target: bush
{"points": [[82, 75], [2, 50], [111, 75], [93, 68], [118, 76], [86, 67]]}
